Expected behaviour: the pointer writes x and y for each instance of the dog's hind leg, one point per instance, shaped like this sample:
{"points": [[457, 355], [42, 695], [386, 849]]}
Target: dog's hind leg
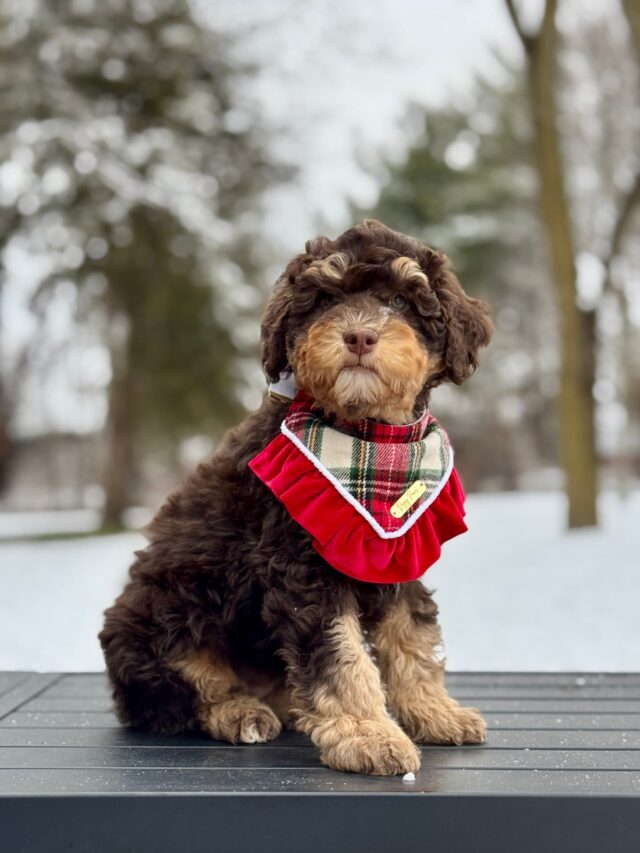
{"points": [[225, 709], [408, 642]]}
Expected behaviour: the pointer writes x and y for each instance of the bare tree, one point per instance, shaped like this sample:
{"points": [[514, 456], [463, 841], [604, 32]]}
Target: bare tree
{"points": [[578, 340], [627, 211], [575, 404]]}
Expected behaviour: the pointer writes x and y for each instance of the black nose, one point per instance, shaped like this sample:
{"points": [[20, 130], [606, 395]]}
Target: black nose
{"points": [[360, 341]]}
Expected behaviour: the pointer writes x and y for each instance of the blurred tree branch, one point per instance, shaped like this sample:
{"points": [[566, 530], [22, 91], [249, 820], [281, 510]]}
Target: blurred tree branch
{"points": [[626, 211], [526, 39], [631, 201]]}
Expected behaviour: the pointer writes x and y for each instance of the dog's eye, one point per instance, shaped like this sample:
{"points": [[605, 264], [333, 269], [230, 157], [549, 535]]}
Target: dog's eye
{"points": [[399, 301], [326, 300]]}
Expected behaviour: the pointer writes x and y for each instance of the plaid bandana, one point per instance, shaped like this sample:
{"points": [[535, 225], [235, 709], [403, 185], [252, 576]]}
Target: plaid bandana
{"points": [[389, 474], [377, 500]]}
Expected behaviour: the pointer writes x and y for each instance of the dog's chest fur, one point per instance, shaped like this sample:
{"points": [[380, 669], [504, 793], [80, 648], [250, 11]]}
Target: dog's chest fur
{"points": [[252, 560]]}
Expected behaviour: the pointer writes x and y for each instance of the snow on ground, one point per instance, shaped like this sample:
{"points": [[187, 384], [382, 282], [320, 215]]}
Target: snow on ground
{"points": [[516, 592], [18, 524], [519, 592], [52, 595]]}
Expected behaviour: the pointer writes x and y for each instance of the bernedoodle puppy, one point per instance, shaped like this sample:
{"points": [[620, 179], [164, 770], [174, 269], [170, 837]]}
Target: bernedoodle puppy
{"points": [[280, 582]]}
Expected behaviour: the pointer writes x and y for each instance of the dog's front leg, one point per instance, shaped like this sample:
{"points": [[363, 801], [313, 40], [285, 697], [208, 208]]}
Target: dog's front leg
{"points": [[408, 643], [338, 697]]}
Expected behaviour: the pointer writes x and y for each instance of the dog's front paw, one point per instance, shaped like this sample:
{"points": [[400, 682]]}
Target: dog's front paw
{"points": [[472, 724], [444, 723], [243, 719], [376, 747]]}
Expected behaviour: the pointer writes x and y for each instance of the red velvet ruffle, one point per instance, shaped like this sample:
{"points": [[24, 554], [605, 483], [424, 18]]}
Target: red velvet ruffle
{"points": [[341, 535]]}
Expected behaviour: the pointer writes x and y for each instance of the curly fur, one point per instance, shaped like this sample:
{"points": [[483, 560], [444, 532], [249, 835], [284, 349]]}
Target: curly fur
{"points": [[230, 605]]}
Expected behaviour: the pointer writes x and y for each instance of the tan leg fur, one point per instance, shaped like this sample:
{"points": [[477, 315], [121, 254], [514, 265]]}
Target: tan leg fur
{"points": [[345, 713], [413, 671]]}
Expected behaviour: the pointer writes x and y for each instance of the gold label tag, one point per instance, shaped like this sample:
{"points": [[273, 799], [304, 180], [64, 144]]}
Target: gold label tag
{"points": [[407, 500]]}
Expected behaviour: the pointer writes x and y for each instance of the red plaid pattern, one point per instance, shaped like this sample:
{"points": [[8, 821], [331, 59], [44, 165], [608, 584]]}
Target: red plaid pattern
{"points": [[374, 463]]}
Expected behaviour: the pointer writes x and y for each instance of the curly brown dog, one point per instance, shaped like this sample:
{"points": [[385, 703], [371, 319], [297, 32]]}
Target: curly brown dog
{"points": [[232, 624]]}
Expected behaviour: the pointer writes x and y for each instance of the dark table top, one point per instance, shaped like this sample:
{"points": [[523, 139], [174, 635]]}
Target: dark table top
{"points": [[559, 745]]}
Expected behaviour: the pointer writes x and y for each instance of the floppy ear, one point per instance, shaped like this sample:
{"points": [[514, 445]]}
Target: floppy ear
{"points": [[275, 320], [273, 329], [468, 327]]}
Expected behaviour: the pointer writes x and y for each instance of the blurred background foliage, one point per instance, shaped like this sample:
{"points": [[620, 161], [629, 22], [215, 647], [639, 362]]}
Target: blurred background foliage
{"points": [[140, 180]]}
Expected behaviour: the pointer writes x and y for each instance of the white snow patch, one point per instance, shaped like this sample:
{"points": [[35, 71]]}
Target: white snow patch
{"points": [[519, 592], [52, 595]]}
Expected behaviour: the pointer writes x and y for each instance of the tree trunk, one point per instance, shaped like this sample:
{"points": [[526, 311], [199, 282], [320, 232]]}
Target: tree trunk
{"points": [[627, 451], [117, 479], [6, 441], [632, 12], [577, 328], [6, 447]]}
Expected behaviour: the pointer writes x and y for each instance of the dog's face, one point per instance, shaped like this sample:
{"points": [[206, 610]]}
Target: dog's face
{"points": [[370, 322]]}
